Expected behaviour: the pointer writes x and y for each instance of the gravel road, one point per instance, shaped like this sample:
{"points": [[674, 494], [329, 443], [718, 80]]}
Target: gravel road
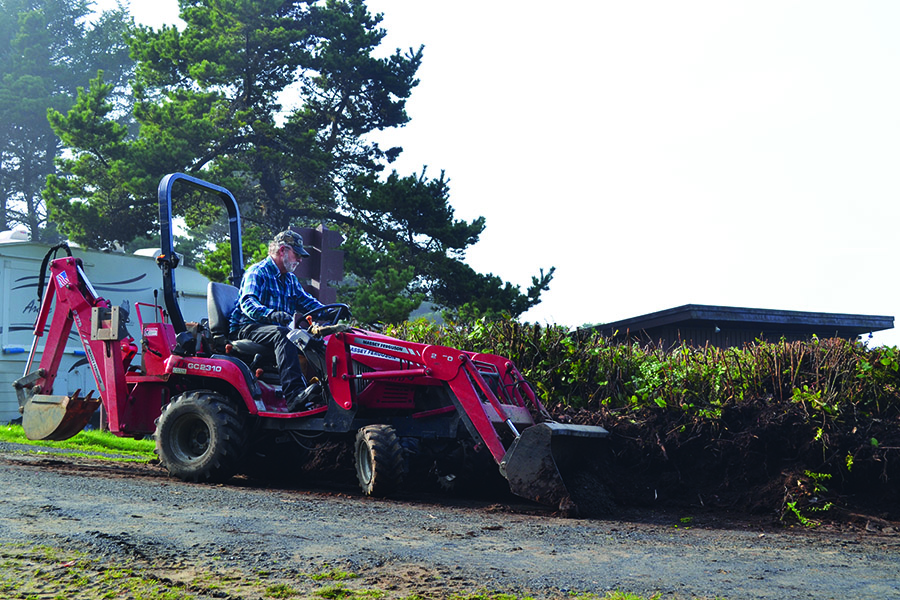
{"points": [[430, 547]]}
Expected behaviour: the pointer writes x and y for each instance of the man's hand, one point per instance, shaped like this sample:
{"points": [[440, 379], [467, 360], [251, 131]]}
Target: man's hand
{"points": [[279, 317], [324, 330]]}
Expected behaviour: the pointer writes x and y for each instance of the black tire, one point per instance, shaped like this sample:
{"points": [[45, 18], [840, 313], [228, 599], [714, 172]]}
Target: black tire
{"points": [[199, 437], [380, 460]]}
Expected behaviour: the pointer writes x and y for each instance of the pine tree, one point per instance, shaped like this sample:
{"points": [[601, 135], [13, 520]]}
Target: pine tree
{"points": [[278, 101], [47, 49]]}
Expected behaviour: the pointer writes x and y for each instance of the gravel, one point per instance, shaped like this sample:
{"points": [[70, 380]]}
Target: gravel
{"points": [[431, 546]]}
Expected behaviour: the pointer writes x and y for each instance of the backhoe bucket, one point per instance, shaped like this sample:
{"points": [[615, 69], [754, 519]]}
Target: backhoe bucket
{"points": [[57, 417], [544, 456]]}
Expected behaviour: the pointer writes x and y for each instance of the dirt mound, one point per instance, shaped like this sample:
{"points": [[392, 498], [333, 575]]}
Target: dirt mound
{"points": [[761, 458]]}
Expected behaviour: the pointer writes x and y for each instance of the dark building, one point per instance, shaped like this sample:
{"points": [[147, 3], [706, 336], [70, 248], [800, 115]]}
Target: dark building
{"points": [[725, 326]]}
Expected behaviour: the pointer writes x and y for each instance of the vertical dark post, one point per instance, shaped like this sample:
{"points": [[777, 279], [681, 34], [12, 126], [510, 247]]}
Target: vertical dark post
{"points": [[324, 264]]}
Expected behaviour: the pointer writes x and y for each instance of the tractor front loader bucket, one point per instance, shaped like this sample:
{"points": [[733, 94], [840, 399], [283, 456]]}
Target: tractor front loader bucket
{"points": [[544, 456], [57, 417]]}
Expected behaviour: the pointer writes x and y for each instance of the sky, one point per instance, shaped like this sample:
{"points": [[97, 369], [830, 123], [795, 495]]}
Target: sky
{"points": [[662, 153]]}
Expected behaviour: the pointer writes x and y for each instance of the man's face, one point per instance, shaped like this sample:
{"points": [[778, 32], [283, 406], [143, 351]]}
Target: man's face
{"points": [[290, 259]]}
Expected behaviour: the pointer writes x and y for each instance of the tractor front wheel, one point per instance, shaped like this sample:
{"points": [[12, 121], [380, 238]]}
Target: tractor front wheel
{"points": [[199, 437], [380, 460]]}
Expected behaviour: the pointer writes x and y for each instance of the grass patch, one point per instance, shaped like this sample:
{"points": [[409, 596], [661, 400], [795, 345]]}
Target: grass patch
{"points": [[86, 442], [44, 572], [281, 590], [338, 591], [333, 575], [40, 572]]}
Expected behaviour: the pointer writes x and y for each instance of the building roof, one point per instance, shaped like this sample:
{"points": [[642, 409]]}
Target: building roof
{"points": [[758, 319]]}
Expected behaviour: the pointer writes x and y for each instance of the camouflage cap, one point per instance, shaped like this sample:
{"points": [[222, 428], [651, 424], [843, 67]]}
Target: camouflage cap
{"points": [[292, 239]]}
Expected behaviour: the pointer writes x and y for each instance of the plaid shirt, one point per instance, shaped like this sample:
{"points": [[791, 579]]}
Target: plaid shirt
{"points": [[265, 290]]}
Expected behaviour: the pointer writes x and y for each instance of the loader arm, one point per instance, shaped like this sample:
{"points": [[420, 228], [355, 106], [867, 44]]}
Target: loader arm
{"points": [[496, 405], [491, 414], [69, 300]]}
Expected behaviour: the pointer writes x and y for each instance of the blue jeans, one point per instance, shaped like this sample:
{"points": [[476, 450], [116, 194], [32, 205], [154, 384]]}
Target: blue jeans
{"points": [[286, 355]]}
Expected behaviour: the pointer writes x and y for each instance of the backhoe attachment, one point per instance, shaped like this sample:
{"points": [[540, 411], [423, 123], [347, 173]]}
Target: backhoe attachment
{"points": [[107, 347]]}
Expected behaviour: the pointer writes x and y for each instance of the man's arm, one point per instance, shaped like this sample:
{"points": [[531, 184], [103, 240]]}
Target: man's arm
{"points": [[303, 302], [249, 302], [253, 308]]}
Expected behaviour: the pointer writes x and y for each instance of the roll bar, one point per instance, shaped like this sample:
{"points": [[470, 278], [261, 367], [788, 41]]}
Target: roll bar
{"points": [[168, 260]]}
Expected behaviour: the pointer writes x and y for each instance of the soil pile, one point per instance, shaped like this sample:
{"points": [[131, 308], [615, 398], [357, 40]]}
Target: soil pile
{"points": [[762, 458]]}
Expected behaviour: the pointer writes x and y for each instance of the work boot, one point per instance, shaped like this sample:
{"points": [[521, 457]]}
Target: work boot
{"points": [[307, 399]]}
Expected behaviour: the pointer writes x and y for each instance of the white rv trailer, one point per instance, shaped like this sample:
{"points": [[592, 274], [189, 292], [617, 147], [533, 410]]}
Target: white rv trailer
{"points": [[123, 279]]}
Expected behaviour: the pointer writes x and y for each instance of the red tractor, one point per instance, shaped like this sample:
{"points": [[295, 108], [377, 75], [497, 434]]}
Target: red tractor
{"points": [[212, 402]]}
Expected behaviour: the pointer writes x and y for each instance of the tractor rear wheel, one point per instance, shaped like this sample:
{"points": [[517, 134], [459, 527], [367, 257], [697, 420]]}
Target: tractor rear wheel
{"points": [[199, 437], [380, 460]]}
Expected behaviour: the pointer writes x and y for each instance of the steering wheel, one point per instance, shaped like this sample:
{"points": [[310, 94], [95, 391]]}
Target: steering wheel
{"points": [[329, 314]]}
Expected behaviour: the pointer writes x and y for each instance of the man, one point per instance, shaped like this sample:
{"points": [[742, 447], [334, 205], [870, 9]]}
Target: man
{"points": [[270, 294]]}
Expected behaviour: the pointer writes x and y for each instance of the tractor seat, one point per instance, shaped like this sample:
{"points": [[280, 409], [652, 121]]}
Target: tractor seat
{"points": [[221, 300]]}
